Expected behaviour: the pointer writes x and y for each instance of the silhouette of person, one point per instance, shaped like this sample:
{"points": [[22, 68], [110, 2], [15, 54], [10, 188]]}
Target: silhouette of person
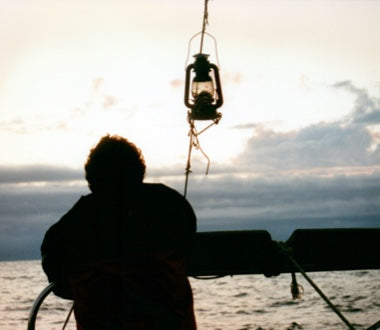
{"points": [[120, 252]]}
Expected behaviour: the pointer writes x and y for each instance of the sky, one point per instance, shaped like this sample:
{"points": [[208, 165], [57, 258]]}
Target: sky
{"points": [[297, 145]]}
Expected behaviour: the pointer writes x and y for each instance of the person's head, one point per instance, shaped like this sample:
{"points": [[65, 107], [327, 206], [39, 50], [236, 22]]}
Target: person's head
{"points": [[114, 164]]}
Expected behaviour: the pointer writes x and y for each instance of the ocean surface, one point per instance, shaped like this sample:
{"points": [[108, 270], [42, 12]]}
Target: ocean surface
{"points": [[236, 303]]}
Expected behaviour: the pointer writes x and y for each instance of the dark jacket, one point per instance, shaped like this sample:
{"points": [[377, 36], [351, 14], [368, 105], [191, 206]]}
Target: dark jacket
{"points": [[128, 254]]}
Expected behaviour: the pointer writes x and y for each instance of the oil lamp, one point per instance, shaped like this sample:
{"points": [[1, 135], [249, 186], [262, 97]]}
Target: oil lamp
{"points": [[204, 96]]}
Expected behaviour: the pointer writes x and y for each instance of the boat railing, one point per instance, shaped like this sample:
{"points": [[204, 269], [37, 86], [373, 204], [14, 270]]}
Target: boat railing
{"points": [[217, 254]]}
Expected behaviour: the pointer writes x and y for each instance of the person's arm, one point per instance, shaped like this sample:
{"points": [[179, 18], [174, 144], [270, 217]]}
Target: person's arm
{"points": [[51, 253], [52, 262], [58, 250]]}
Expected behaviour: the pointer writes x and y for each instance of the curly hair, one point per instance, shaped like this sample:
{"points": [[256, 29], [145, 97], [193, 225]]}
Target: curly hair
{"points": [[114, 161]]}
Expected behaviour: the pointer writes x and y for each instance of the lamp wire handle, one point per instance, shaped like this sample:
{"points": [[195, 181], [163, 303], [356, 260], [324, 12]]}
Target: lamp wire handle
{"points": [[203, 33], [215, 45]]}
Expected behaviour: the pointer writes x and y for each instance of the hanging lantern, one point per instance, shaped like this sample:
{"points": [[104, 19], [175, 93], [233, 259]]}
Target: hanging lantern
{"points": [[204, 96]]}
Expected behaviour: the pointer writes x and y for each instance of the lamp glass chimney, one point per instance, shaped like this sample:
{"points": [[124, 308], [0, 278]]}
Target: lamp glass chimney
{"points": [[198, 87], [202, 81]]}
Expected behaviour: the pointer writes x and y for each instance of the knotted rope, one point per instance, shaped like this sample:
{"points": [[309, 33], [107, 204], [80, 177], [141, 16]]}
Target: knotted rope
{"points": [[287, 252]]}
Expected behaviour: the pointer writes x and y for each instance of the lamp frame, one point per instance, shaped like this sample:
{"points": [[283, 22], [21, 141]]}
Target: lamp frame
{"points": [[217, 101]]}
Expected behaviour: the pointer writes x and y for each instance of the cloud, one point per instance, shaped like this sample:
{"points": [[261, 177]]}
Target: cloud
{"points": [[323, 175], [280, 197], [176, 83], [278, 204], [32, 125], [13, 125], [234, 78], [27, 211], [38, 173], [246, 126], [347, 142], [98, 99], [366, 108], [316, 146]]}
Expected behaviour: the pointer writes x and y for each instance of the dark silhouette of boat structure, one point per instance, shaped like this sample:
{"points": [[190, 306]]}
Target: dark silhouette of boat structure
{"points": [[223, 253], [254, 252]]}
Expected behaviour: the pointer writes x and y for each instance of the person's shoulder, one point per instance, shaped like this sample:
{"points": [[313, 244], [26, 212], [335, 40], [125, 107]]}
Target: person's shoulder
{"points": [[161, 194], [85, 200], [160, 188], [84, 203], [69, 217]]}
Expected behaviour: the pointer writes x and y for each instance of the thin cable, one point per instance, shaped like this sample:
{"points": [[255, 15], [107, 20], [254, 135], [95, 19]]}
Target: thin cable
{"points": [[284, 248], [374, 326], [68, 317], [205, 22], [188, 163], [212, 124]]}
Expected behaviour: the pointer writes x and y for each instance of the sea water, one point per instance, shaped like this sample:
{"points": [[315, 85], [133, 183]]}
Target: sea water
{"points": [[236, 303]]}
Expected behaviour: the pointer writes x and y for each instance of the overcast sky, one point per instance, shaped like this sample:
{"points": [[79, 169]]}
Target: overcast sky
{"points": [[298, 143]]}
